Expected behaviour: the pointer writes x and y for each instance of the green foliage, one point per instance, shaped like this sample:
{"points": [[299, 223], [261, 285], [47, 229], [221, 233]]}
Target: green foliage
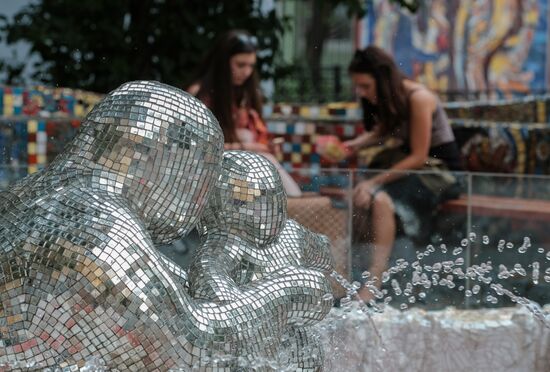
{"points": [[98, 44]]}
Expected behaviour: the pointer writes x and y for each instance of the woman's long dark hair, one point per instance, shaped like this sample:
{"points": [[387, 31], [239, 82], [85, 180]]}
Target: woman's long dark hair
{"points": [[391, 108], [216, 87]]}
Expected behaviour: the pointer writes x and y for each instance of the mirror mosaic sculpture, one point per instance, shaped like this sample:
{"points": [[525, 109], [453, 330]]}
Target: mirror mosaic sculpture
{"points": [[81, 279]]}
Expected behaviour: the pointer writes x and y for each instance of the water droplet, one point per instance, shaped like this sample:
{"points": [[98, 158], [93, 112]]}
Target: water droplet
{"points": [[403, 306], [457, 251], [520, 270], [365, 275], [498, 289], [472, 236], [461, 288], [509, 245], [535, 273], [540, 250], [443, 248], [422, 295], [412, 299], [492, 299], [485, 239], [475, 289], [464, 242], [459, 261], [345, 302], [468, 293], [548, 255]]}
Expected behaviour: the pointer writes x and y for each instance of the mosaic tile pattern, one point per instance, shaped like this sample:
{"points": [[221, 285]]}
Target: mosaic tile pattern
{"points": [[237, 254], [299, 149], [530, 109], [80, 277], [46, 102], [55, 113]]}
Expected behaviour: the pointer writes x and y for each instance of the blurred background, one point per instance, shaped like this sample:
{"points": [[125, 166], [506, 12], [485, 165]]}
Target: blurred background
{"points": [[462, 49], [487, 59]]}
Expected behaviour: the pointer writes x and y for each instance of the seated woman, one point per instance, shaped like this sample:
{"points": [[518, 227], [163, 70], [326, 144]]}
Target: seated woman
{"points": [[227, 82], [405, 114]]}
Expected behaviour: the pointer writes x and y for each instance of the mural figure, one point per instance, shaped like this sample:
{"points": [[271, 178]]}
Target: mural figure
{"points": [[478, 46]]}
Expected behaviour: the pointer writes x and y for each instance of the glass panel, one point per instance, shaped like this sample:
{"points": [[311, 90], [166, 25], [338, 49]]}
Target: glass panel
{"points": [[324, 208], [510, 215], [427, 245]]}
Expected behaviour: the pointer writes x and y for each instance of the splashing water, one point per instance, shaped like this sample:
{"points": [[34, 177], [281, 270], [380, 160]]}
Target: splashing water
{"points": [[445, 274], [423, 277], [351, 292]]}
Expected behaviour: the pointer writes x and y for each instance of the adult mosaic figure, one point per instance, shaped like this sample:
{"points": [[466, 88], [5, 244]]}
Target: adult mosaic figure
{"points": [[80, 276]]}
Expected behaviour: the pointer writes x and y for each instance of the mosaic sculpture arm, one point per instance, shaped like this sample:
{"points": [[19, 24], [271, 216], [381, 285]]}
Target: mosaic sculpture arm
{"points": [[212, 273], [317, 254]]}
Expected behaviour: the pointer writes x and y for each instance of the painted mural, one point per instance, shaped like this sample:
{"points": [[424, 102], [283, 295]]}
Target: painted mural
{"points": [[466, 45]]}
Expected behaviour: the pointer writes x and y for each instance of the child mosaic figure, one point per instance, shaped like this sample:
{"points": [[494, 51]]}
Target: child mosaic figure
{"points": [[236, 254], [80, 275]]}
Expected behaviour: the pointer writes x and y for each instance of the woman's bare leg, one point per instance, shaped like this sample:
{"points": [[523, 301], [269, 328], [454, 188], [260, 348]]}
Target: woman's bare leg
{"points": [[383, 229]]}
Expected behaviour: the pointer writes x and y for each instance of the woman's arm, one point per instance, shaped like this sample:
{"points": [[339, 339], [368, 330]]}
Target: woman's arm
{"points": [[251, 146], [363, 140], [194, 89]]}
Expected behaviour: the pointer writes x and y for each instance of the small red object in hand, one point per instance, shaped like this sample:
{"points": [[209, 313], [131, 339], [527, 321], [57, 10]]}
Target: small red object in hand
{"points": [[331, 148]]}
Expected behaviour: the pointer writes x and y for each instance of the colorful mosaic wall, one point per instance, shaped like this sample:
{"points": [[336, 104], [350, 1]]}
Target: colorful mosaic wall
{"points": [[46, 102], [482, 45], [485, 146], [503, 147], [35, 124], [533, 109], [509, 136], [298, 151]]}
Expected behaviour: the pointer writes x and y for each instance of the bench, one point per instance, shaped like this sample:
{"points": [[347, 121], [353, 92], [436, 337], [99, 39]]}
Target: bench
{"points": [[482, 205], [500, 206]]}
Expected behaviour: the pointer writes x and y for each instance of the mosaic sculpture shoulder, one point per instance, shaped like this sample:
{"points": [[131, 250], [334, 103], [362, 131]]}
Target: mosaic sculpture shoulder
{"points": [[79, 273]]}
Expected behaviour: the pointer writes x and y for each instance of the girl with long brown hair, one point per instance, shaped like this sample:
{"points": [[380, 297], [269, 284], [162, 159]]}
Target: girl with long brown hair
{"points": [[409, 119], [227, 82]]}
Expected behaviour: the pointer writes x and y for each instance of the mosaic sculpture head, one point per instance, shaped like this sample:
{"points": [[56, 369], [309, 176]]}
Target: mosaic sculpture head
{"points": [[141, 141], [248, 200]]}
